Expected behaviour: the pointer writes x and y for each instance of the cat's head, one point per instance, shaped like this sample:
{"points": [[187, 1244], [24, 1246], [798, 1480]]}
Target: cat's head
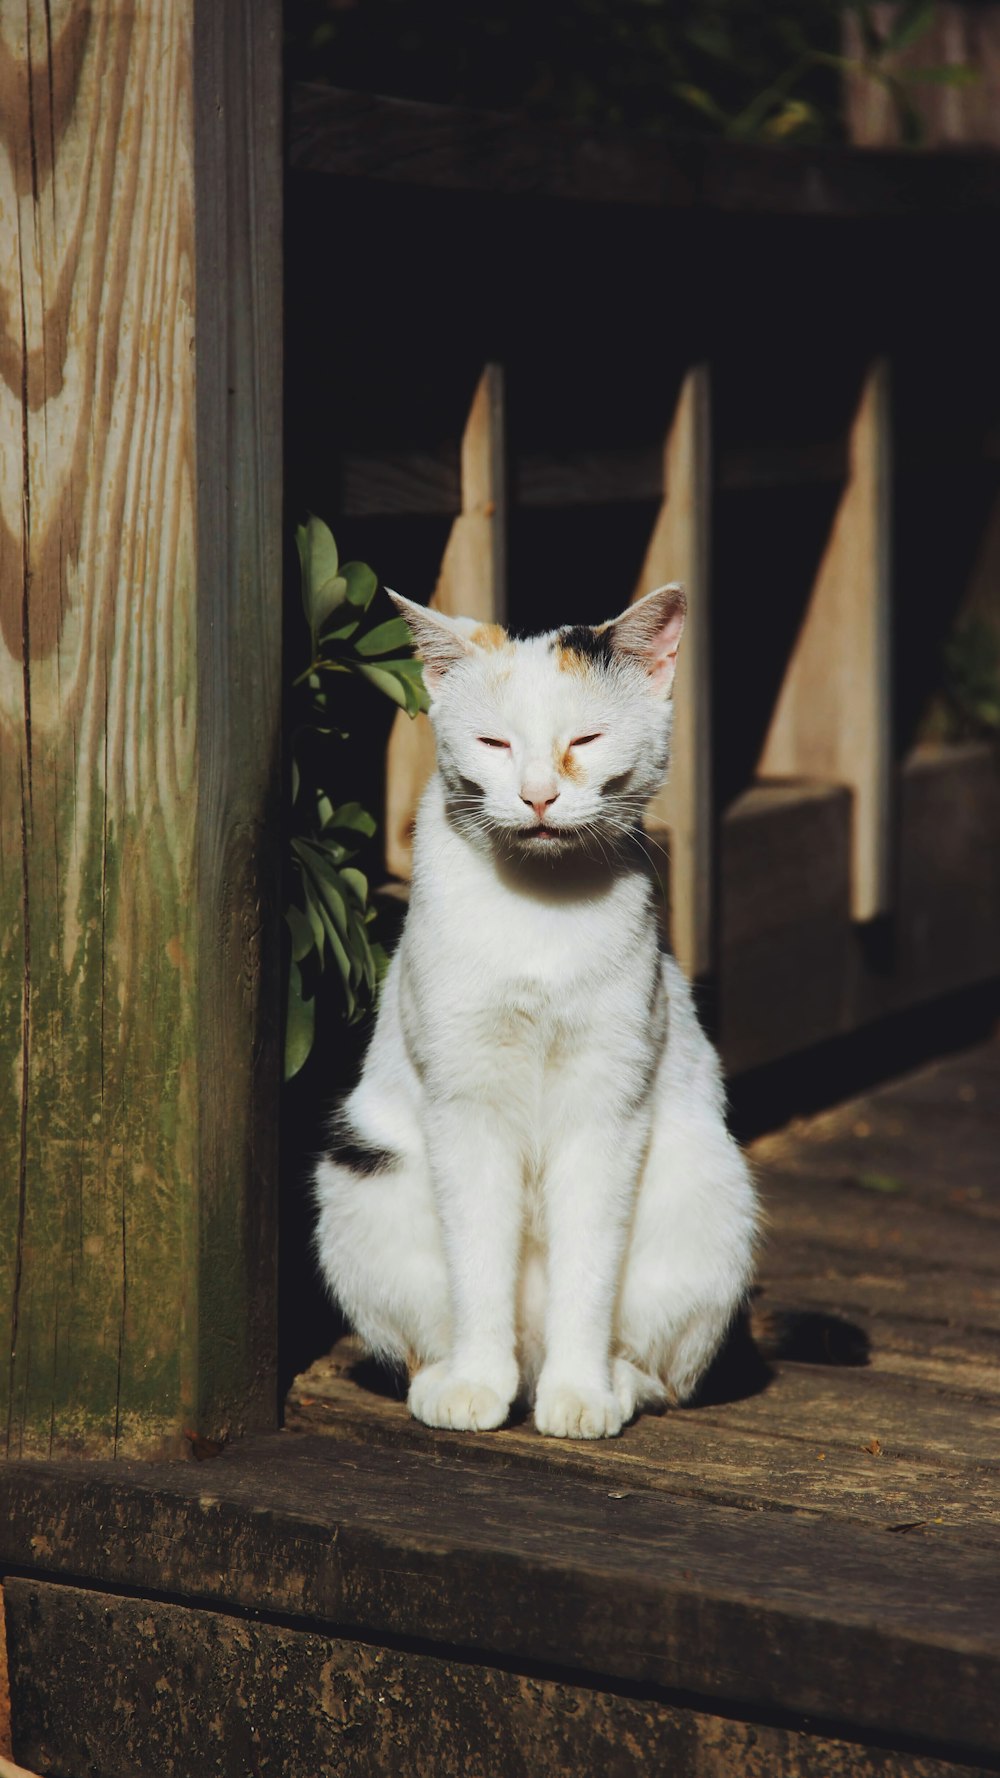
{"points": [[559, 740]]}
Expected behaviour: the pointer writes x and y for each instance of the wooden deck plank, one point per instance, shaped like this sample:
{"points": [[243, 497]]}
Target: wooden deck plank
{"points": [[764, 1611], [880, 1217], [811, 1273], [264, 1698], [699, 1459]]}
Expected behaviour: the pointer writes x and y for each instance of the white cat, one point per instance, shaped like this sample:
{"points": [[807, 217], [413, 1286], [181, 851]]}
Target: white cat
{"points": [[532, 1190]]}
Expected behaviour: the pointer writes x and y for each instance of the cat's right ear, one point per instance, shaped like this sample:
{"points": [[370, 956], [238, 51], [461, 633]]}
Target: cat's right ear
{"points": [[438, 639]]}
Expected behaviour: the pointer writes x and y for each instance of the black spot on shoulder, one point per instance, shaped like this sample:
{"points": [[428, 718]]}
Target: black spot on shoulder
{"points": [[594, 645], [350, 1149]]}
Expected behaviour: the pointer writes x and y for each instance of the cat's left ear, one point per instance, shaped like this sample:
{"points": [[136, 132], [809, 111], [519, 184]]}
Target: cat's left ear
{"points": [[649, 632], [439, 638]]}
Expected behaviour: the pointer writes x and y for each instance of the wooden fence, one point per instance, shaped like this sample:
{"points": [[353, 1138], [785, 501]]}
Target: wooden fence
{"points": [[577, 368]]}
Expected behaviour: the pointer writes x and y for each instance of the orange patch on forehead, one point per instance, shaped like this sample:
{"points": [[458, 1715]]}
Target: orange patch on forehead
{"points": [[490, 636], [566, 763], [570, 660]]}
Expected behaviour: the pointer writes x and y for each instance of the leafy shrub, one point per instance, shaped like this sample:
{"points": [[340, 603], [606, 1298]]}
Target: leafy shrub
{"points": [[327, 906], [746, 69]]}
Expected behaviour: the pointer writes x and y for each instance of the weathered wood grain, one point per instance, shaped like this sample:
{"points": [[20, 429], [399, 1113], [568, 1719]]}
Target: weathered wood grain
{"points": [[139, 356], [688, 1595], [878, 1283], [195, 1693], [833, 718], [792, 969], [472, 583], [700, 1457], [678, 549], [5, 1740]]}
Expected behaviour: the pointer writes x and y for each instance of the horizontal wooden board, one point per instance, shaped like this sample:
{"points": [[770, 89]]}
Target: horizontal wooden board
{"points": [[879, 1284], [422, 482], [794, 970], [361, 136], [121, 1685], [871, 1220], [638, 1586], [697, 1455]]}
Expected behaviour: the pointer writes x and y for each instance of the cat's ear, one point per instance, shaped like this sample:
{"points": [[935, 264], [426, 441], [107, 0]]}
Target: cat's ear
{"points": [[649, 632], [438, 638]]}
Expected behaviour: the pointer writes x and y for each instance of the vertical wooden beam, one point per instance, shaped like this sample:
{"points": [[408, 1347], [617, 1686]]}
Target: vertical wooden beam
{"points": [[140, 491], [6, 1744], [472, 583], [679, 550], [832, 720]]}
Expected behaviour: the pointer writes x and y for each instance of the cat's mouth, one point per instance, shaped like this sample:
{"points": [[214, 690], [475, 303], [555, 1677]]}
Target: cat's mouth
{"points": [[541, 834]]}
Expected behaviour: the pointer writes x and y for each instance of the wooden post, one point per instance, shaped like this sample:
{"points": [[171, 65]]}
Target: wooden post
{"points": [[140, 500], [472, 583], [832, 720], [679, 550]]}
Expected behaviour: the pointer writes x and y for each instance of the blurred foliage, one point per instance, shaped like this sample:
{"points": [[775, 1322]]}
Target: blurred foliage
{"points": [[969, 708], [739, 68], [327, 908]]}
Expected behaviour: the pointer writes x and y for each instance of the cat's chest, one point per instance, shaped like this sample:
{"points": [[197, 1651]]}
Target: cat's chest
{"points": [[524, 975]]}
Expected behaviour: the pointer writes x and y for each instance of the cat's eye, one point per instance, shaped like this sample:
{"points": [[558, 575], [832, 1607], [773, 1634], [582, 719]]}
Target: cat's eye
{"points": [[581, 740], [489, 741]]}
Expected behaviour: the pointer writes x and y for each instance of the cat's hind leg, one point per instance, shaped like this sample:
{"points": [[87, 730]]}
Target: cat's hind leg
{"points": [[690, 1257], [379, 1249]]}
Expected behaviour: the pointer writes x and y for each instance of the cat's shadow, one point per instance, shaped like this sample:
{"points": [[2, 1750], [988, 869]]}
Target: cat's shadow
{"points": [[744, 1367], [762, 1337]]}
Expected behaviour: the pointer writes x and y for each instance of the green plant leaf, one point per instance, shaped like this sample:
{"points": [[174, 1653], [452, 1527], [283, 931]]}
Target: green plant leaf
{"points": [[320, 856], [329, 894], [699, 100], [324, 810], [410, 675], [886, 1183], [355, 819], [794, 115], [367, 961], [390, 681], [323, 589], [869, 34], [296, 779], [912, 19], [954, 74], [315, 919], [341, 631], [301, 931], [357, 882], [300, 1024], [357, 948], [394, 633], [361, 583], [342, 961]]}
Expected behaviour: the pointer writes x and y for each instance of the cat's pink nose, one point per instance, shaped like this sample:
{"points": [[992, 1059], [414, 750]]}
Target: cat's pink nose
{"points": [[539, 796]]}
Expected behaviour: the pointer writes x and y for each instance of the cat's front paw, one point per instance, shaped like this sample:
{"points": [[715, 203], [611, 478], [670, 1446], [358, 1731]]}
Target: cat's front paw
{"points": [[563, 1410], [439, 1396]]}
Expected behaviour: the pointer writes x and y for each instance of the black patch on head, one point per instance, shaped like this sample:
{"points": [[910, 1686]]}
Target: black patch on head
{"points": [[594, 645], [350, 1149]]}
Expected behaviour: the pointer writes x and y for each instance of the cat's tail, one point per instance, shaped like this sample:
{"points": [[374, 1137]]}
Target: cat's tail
{"points": [[636, 1389]]}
